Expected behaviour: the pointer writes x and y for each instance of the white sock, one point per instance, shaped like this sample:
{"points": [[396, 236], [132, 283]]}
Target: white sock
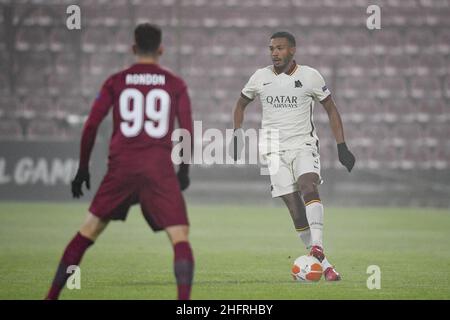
{"points": [[305, 235], [314, 213], [326, 264]]}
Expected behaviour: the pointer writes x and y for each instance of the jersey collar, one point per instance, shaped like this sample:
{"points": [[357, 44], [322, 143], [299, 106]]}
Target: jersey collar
{"points": [[291, 71]]}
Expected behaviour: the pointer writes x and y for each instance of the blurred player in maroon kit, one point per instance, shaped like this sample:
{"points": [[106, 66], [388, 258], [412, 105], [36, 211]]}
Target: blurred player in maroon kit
{"points": [[145, 100]]}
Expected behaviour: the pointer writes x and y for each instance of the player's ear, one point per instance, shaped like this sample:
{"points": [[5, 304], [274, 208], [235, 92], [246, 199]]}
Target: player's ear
{"points": [[160, 50], [134, 48], [293, 50]]}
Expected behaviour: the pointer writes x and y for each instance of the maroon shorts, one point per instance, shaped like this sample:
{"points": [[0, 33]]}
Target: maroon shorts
{"points": [[155, 188]]}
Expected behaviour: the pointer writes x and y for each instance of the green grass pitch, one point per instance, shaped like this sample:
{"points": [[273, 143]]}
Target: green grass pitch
{"points": [[241, 253]]}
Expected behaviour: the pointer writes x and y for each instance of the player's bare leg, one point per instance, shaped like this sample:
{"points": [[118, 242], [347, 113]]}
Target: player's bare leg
{"points": [[308, 183], [183, 259], [297, 211], [91, 228]]}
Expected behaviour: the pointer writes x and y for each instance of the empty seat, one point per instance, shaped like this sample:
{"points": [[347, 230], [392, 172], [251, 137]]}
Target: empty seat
{"points": [[222, 42], [38, 62], [403, 16], [325, 64], [410, 133], [422, 87], [4, 83], [103, 63], [322, 42], [169, 61], [447, 87], [39, 16], [191, 68], [433, 136], [230, 17], [420, 41], [90, 85], [363, 109], [98, 39], [386, 157], [395, 110], [395, 65], [154, 13], [38, 106], [106, 13], [10, 130], [225, 86], [31, 81], [44, 130], [123, 41], [259, 38], [31, 39], [391, 87], [64, 84], [61, 39], [8, 106], [387, 42], [428, 65], [438, 158], [355, 43], [2, 38], [73, 105], [305, 17], [358, 66], [436, 109], [411, 157], [274, 17], [402, 3], [434, 3], [67, 63], [443, 42], [356, 87], [194, 41]]}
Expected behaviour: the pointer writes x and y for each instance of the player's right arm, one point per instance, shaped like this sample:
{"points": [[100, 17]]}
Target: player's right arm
{"points": [[239, 109], [247, 95], [98, 112]]}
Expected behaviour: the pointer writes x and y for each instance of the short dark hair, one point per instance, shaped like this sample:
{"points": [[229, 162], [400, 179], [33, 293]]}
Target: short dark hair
{"points": [[284, 34], [147, 38]]}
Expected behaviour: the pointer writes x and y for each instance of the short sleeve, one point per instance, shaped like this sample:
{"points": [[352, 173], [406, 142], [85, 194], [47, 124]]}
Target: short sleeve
{"points": [[319, 89], [250, 90]]}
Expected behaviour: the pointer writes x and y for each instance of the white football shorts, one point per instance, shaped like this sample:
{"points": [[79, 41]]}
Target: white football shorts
{"points": [[286, 166]]}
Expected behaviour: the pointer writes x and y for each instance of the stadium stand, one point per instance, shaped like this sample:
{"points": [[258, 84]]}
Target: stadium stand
{"points": [[392, 85]]}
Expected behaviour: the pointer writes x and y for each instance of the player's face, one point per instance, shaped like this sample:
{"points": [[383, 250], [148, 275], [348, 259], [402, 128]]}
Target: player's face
{"points": [[281, 52]]}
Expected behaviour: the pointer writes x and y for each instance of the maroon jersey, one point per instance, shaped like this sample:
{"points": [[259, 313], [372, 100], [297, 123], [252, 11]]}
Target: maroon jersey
{"points": [[145, 99]]}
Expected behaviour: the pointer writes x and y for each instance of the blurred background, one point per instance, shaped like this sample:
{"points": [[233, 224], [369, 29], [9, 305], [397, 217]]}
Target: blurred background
{"points": [[392, 87]]}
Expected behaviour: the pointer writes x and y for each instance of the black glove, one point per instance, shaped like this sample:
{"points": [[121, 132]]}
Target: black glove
{"points": [[345, 156], [237, 143], [183, 177], [81, 176]]}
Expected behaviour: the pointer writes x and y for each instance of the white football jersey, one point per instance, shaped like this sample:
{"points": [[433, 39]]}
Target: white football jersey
{"points": [[288, 104]]}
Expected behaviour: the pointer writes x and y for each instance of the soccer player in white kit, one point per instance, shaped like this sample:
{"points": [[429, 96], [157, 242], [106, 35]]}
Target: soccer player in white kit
{"points": [[287, 92]]}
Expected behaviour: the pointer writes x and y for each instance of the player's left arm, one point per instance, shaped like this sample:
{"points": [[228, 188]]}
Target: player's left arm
{"points": [[345, 156], [98, 112], [184, 115]]}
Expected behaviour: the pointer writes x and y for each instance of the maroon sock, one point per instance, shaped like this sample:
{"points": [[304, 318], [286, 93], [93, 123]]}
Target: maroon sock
{"points": [[184, 269], [72, 256]]}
